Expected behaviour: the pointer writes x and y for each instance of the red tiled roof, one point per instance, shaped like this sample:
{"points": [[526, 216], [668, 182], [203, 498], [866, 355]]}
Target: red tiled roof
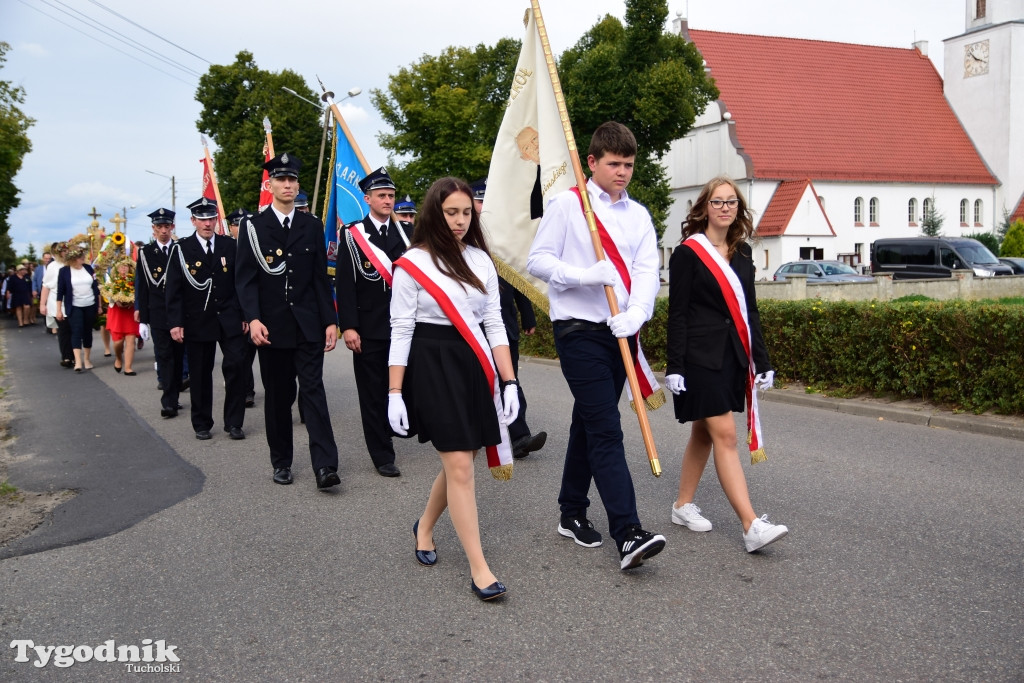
{"points": [[1018, 213], [783, 205], [837, 111]]}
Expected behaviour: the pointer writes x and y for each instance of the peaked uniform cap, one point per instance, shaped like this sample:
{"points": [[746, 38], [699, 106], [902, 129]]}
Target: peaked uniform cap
{"points": [[406, 206], [283, 165], [237, 215], [203, 208], [162, 217], [377, 180]]}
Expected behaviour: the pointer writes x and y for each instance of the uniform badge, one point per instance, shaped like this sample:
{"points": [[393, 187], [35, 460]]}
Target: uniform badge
{"points": [[366, 264], [279, 252], [193, 271], [158, 269], [270, 259], [198, 264]]}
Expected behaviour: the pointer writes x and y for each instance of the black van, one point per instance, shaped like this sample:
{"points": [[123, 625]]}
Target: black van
{"points": [[932, 257]]}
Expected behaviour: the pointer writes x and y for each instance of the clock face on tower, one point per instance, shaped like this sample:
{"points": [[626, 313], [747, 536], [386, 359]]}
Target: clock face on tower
{"points": [[976, 59]]}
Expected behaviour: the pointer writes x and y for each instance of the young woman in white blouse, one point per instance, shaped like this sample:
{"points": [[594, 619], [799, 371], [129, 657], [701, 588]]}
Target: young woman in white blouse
{"points": [[442, 379]]}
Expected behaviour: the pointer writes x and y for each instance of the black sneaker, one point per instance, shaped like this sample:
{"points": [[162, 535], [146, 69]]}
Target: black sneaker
{"points": [[639, 545], [580, 530]]}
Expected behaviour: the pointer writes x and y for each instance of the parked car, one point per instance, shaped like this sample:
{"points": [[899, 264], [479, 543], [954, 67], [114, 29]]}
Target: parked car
{"points": [[932, 257], [1017, 264], [820, 271]]}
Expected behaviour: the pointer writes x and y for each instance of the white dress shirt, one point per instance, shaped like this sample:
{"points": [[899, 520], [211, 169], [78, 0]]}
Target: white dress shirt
{"points": [[281, 216], [562, 250], [411, 304]]}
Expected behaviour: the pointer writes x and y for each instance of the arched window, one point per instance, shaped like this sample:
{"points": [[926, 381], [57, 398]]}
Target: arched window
{"points": [[926, 208], [912, 212], [821, 200], [979, 9], [873, 211], [963, 212], [977, 212], [858, 211]]}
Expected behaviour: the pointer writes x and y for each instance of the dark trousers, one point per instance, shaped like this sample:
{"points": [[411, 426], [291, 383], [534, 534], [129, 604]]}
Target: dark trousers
{"points": [[518, 429], [81, 320], [169, 354], [371, 370], [203, 355], [64, 339], [592, 366], [250, 356], [279, 369]]}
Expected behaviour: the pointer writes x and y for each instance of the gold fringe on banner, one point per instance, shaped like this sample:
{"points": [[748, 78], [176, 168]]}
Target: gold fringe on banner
{"points": [[653, 402], [502, 472], [756, 456], [512, 276]]}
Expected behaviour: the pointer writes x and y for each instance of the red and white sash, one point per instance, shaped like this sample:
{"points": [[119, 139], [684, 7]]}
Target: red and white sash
{"points": [[652, 394], [736, 302], [418, 264], [374, 254]]}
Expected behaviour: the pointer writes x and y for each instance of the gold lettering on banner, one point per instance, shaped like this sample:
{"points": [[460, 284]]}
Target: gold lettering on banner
{"points": [[519, 82], [558, 173]]}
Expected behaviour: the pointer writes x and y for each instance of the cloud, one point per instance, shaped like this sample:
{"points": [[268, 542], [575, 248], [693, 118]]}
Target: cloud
{"points": [[32, 49]]}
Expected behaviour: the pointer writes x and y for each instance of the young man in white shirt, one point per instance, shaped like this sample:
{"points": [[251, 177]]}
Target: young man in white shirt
{"points": [[587, 338]]}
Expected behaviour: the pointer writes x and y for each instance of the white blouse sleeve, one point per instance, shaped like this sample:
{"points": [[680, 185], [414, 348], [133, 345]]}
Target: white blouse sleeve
{"points": [[403, 316], [494, 326]]}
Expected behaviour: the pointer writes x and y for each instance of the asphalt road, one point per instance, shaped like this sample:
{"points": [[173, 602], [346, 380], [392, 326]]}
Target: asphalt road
{"points": [[903, 560]]}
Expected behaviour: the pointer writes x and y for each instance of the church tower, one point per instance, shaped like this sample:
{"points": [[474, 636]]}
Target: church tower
{"points": [[984, 83]]}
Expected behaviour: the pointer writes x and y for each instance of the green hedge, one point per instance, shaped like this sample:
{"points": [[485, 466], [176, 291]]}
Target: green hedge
{"points": [[968, 355]]}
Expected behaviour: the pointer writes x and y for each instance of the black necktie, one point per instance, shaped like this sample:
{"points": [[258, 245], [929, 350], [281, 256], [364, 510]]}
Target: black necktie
{"points": [[384, 231], [287, 220], [165, 250], [209, 247]]}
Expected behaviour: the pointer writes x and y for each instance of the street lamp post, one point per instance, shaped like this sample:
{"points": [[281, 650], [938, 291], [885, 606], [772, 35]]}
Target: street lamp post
{"points": [[174, 193], [327, 124]]}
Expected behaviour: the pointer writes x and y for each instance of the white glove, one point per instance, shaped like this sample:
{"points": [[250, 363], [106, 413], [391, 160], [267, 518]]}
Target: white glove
{"points": [[510, 399], [398, 416], [675, 383], [143, 331], [628, 323], [601, 273], [765, 380]]}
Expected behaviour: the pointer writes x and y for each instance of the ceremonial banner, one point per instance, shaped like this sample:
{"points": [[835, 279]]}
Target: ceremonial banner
{"points": [[345, 204], [266, 198], [207, 180], [530, 163]]}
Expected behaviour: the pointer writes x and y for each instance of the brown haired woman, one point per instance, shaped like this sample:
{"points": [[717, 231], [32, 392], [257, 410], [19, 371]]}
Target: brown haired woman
{"points": [[716, 353], [442, 379]]}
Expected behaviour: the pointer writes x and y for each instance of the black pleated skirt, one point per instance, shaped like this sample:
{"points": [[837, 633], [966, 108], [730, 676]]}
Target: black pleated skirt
{"points": [[712, 392], [446, 393]]}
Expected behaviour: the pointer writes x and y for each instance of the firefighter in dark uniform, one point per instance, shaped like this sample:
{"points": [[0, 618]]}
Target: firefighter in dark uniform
{"points": [[234, 220], [364, 312], [151, 308], [406, 212], [285, 294], [203, 310]]}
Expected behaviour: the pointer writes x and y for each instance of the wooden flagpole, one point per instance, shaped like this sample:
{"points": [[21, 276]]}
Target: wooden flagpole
{"points": [[270, 138], [221, 223], [328, 97], [595, 238]]}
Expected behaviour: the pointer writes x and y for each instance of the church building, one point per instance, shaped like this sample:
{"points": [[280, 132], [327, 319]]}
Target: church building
{"points": [[836, 145]]}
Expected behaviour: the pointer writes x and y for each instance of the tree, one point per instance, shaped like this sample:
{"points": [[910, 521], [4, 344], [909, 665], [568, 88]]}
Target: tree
{"points": [[445, 112], [235, 98], [14, 145], [639, 75], [1013, 243], [931, 222], [30, 254]]}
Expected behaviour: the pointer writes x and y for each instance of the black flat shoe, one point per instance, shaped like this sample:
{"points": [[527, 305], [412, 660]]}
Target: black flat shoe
{"points": [[117, 370], [168, 413], [204, 435], [428, 558], [106, 355], [326, 477], [235, 433], [495, 590], [389, 469], [283, 475], [129, 373]]}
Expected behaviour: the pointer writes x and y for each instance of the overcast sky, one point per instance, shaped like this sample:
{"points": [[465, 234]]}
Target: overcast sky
{"points": [[106, 114]]}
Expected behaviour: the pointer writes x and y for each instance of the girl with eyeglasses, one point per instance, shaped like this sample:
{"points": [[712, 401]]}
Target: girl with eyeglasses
{"points": [[717, 359]]}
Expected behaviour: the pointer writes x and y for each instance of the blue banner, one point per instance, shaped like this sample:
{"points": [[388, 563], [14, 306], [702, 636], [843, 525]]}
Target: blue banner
{"points": [[346, 204]]}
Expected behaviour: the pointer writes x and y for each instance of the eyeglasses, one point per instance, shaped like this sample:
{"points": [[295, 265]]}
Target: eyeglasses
{"points": [[719, 203]]}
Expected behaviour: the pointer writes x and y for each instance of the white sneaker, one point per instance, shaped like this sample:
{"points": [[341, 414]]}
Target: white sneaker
{"points": [[762, 532], [689, 516]]}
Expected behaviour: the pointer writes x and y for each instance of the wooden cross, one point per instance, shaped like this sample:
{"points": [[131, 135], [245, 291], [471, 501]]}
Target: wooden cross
{"points": [[94, 214]]}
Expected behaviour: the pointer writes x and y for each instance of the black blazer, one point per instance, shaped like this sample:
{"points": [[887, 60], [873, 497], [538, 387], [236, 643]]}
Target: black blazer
{"points": [[65, 290], [364, 299], [294, 301], [206, 314], [150, 298], [699, 324], [511, 299]]}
